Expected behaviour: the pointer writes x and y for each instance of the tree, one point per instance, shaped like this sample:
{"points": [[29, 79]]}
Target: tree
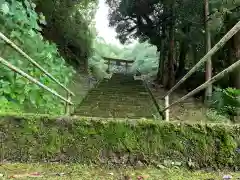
{"points": [[170, 66], [68, 25], [208, 92], [144, 55], [179, 22], [161, 22], [223, 18]]}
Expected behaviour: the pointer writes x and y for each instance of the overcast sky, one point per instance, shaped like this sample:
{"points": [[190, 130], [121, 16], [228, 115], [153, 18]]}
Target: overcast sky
{"points": [[102, 27]]}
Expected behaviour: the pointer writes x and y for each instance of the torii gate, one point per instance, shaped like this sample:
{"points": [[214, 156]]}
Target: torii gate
{"points": [[118, 62]]}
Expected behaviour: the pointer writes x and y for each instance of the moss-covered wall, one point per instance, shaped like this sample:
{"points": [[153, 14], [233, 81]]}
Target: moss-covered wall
{"points": [[32, 138]]}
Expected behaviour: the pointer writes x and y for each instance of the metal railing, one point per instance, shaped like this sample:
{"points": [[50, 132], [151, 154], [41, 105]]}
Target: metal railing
{"points": [[67, 100], [209, 54]]}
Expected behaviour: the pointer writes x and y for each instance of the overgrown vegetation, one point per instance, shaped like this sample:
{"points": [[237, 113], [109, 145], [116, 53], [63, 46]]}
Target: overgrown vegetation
{"points": [[145, 57], [21, 23], [171, 36], [117, 143], [61, 37], [29, 24], [70, 25], [178, 29], [226, 101]]}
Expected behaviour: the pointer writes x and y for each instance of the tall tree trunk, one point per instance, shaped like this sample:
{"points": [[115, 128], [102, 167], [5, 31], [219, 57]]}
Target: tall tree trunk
{"points": [[162, 55], [182, 57], [171, 72], [233, 56], [165, 76], [236, 73], [208, 75], [163, 58], [183, 52], [195, 54], [233, 47], [159, 73]]}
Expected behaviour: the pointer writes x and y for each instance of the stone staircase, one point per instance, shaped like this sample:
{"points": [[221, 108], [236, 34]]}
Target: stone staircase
{"points": [[118, 97]]}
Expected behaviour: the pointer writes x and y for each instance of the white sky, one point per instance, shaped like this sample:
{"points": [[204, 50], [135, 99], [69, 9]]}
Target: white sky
{"points": [[102, 27]]}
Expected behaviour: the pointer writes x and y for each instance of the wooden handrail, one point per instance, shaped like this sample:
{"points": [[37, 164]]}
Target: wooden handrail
{"points": [[153, 99], [208, 55], [7, 40], [30, 78], [204, 85], [217, 46]]}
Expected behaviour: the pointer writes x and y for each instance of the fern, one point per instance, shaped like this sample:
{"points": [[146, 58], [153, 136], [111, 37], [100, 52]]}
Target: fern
{"points": [[226, 101]]}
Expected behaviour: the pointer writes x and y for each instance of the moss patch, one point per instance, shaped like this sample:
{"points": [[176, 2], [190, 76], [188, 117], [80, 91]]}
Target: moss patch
{"points": [[117, 143]]}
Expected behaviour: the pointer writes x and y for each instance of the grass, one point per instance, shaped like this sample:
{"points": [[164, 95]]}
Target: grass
{"points": [[84, 172], [191, 110]]}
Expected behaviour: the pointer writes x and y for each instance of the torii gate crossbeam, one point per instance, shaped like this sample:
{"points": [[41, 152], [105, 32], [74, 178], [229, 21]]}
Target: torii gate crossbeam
{"points": [[109, 60]]}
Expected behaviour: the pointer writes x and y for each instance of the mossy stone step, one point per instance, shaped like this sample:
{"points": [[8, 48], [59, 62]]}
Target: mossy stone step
{"points": [[138, 93], [115, 99], [115, 114], [121, 96], [114, 86]]}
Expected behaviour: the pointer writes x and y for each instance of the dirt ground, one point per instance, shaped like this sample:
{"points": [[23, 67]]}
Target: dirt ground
{"points": [[83, 172]]}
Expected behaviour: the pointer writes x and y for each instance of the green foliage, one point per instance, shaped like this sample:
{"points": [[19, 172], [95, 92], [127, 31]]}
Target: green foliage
{"points": [[226, 101], [214, 116], [182, 47], [19, 22], [69, 26], [144, 54], [38, 138], [8, 106], [96, 62]]}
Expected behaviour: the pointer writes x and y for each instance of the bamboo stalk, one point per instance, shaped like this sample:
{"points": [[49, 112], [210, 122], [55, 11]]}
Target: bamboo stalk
{"points": [[7, 40], [217, 46], [210, 81], [30, 78]]}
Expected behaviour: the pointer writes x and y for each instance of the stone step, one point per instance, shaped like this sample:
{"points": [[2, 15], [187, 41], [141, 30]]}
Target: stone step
{"points": [[126, 93], [115, 99], [121, 96], [131, 114]]}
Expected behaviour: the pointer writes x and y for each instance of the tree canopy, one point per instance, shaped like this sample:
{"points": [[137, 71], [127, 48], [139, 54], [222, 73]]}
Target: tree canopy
{"points": [[176, 28], [69, 25]]}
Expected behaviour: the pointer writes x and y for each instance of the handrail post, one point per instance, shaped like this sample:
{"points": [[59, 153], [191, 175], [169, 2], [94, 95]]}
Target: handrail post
{"points": [[67, 105], [166, 105]]}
